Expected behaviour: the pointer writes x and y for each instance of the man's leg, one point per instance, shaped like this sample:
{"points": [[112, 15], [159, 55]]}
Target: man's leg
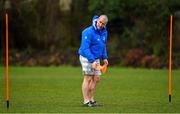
{"points": [[85, 88], [92, 87]]}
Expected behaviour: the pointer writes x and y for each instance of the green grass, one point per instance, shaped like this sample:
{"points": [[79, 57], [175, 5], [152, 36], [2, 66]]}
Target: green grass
{"points": [[58, 89]]}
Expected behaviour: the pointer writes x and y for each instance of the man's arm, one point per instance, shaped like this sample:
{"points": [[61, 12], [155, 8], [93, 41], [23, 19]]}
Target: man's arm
{"points": [[104, 55]]}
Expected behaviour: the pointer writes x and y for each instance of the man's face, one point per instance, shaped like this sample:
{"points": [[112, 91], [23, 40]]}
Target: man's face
{"points": [[101, 22]]}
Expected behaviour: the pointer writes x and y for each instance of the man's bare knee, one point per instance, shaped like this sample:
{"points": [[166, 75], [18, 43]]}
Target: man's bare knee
{"points": [[97, 79], [87, 78], [92, 87]]}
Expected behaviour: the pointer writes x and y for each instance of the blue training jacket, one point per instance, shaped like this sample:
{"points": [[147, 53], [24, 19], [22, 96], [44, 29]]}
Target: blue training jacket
{"points": [[93, 43]]}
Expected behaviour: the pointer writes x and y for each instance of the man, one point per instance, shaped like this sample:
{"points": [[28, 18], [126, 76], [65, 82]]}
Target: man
{"points": [[92, 49]]}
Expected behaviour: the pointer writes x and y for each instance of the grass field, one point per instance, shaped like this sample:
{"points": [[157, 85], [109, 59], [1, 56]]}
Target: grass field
{"points": [[58, 89]]}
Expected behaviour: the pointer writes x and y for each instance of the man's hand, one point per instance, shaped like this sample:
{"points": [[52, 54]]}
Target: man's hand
{"points": [[96, 66], [105, 61]]}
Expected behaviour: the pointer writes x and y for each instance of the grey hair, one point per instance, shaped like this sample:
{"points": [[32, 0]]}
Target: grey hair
{"points": [[105, 17]]}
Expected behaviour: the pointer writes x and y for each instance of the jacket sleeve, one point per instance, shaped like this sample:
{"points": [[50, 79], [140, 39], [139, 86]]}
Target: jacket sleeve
{"points": [[86, 41], [104, 55]]}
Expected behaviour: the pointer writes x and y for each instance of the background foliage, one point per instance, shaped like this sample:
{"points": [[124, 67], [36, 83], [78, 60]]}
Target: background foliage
{"points": [[48, 32]]}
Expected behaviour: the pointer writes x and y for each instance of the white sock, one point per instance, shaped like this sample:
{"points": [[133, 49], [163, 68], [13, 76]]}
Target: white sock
{"points": [[86, 102]]}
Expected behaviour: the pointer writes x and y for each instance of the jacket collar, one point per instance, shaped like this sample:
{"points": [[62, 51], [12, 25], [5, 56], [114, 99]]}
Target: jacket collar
{"points": [[94, 24]]}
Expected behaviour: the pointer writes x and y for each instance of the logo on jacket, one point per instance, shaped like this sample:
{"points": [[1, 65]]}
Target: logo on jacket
{"points": [[104, 38]]}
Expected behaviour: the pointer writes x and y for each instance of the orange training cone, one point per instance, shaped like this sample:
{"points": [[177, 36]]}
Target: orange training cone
{"points": [[104, 68]]}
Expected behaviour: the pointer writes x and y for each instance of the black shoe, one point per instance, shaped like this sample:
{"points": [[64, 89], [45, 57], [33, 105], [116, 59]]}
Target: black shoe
{"points": [[88, 104], [94, 103]]}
